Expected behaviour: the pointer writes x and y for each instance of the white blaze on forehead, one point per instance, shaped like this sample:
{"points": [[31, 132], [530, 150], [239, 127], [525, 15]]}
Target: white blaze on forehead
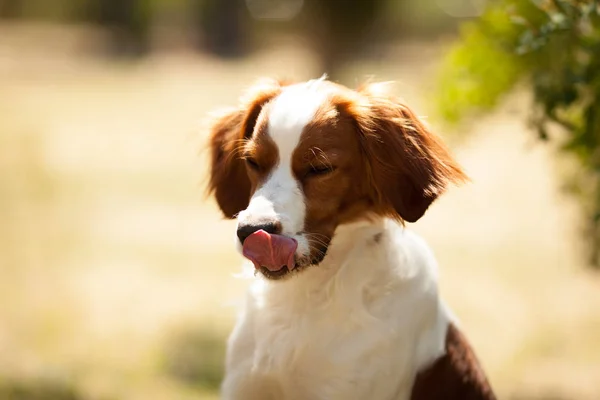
{"points": [[290, 112]]}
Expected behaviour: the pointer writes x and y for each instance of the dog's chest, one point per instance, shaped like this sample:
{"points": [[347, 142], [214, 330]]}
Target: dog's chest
{"points": [[329, 353]]}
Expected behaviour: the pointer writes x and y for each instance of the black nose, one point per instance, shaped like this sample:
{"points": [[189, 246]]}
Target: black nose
{"points": [[245, 230]]}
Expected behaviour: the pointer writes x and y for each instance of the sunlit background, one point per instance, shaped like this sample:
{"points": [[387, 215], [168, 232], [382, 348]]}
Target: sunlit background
{"points": [[115, 271]]}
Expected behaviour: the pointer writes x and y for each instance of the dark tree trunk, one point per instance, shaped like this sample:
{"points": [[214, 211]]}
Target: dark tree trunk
{"points": [[128, 23], [339, 34], [222, 26], [11, 8]]}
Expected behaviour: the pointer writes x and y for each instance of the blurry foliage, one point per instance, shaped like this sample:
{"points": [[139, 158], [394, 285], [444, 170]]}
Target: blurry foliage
{"points": [[196, 357], [425, 18], [41, 389], [554, 47]]}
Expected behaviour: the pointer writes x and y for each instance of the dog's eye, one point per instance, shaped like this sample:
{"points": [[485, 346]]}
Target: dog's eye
{"points": [[251, 162], [319, 170]]}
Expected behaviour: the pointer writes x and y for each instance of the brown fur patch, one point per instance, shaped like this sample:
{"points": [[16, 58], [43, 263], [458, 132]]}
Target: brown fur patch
{"points": [[228, 177], [260, 152], [409, 166], [455, 376], [331, 142]]}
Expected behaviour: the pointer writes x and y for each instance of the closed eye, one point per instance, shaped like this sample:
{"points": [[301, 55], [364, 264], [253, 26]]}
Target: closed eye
{"points": [[320, 170], [251, 163]]}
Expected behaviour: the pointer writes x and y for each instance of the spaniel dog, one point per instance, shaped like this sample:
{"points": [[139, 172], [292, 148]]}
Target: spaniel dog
{"points": [[344, 301]]}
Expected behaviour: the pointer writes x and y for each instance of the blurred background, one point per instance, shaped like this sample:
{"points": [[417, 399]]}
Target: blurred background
{"points": [[115, 271]]}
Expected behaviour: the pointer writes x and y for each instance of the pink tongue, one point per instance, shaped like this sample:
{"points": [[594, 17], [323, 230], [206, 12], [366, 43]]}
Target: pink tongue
{"points": [[270, 251]]}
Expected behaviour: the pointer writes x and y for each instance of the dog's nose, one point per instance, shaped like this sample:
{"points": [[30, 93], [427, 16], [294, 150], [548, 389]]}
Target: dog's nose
{"points": [[246, 229]]}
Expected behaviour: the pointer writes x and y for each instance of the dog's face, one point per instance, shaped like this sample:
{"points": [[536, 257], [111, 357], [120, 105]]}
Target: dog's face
{"points": [[294, 162]]}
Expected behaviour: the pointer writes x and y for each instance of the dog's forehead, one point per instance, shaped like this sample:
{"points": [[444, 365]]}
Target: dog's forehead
{"points": [[293, 110]]}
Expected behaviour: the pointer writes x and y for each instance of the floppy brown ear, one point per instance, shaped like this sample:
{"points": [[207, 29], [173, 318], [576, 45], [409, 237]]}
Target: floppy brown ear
{"points": [[228, 180], [409, 166]]}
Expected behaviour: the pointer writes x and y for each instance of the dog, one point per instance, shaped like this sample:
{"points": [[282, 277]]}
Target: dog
{"points": [[344, 301]]}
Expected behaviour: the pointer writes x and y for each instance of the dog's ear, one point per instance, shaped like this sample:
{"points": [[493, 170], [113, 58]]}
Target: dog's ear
{"points": [[229, 129], [408, 165]]}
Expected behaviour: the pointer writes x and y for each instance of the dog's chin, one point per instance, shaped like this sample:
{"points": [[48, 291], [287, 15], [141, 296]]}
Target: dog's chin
{"points": [[281, 274], [302, 263]]}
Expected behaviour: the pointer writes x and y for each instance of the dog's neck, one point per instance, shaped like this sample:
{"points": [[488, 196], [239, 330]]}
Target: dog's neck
{"points": [[363, 259], [352, 241]]}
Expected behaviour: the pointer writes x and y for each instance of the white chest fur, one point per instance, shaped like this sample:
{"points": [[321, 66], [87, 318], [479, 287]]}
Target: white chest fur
{"points": [[360, 325]]}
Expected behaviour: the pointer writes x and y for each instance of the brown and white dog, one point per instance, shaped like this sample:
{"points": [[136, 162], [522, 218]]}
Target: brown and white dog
{"points": [[344, 303]]}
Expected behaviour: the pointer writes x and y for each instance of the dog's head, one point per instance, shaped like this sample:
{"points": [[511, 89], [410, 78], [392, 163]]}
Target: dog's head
{"points": [[295, 161]]}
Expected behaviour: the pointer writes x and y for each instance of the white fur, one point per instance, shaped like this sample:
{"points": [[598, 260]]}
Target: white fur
{"points": [[359, 325], [280, 197]]}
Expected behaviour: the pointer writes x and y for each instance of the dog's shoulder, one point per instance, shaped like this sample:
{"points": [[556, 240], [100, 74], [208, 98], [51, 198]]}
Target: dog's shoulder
{"points": [[455, 375]]}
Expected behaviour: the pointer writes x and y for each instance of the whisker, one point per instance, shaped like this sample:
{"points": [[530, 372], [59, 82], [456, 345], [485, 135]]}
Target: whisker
{"points": [[316, 235], [318, 241]]}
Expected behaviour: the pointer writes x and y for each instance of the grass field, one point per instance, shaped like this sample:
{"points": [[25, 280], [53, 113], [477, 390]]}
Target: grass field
{"points": [[115, 272]]}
